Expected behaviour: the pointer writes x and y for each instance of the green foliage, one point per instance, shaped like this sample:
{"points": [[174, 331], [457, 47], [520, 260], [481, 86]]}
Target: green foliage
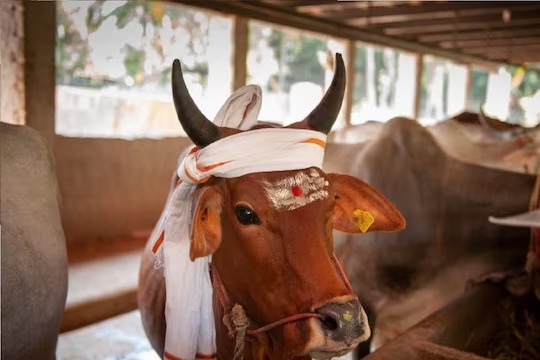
{"points": [[73, 64], [296, 53]]}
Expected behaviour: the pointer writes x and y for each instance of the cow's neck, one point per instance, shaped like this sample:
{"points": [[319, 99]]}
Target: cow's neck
{"points": [[260, 347]]}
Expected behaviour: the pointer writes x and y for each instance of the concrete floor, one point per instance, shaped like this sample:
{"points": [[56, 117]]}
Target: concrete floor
{"points": [[119, 338]]}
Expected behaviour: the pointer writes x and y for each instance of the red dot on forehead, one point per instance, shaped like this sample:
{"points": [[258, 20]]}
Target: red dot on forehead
{"points": [[296, 190]]}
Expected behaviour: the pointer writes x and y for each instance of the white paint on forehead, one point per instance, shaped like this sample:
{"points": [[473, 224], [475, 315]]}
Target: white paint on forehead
{"points": [[296, 191]]}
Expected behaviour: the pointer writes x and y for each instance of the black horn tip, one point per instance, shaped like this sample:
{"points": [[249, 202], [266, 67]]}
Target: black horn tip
{"points": [[200, 130], [323, 117]]}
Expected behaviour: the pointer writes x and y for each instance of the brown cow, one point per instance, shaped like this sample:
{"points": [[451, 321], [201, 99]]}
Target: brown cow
{"points": [[404, 277], [274, 263]]}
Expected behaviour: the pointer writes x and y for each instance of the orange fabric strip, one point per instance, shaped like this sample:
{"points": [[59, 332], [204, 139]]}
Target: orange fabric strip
{"points": [[205, 356], [315, 141], [189, 175], [171, 357], [210, 167], [158, 243]]}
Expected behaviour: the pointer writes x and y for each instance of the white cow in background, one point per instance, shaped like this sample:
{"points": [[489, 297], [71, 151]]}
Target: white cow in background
{"points": [[34, 261]]}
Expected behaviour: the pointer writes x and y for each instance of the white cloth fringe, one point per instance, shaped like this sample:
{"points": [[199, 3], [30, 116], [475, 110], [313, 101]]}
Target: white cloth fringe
{"points": [[188, 310]]}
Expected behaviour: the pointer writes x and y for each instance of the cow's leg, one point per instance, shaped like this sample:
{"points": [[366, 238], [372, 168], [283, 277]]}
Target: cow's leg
{"points": [[151, 297]]}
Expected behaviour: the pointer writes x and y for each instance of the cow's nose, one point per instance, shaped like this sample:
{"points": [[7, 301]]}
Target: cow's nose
{"points": [[344, 322]]}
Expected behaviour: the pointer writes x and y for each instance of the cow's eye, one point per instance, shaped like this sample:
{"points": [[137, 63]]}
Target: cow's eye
{"points": [[246, 216]]}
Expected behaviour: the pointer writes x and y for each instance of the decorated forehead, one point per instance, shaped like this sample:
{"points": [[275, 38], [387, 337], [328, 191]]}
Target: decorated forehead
{"points": [[297, 190]]}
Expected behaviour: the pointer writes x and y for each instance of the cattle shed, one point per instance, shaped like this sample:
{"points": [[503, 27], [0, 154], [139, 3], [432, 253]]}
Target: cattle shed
{"points": [[93, 79]]}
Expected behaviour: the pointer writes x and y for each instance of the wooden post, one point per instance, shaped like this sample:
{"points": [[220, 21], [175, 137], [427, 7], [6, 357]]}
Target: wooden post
{"points": [[349, 91], [241, 44], [468, 85], [418, 85], [12, 60], [39, 77]]}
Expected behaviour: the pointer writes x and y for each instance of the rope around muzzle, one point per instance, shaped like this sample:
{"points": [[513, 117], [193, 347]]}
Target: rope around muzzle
{"points": [[237, 322]]}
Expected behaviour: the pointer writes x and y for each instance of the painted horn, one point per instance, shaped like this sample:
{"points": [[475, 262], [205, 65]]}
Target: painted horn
{"points": [[200, 130], [325, 114]]}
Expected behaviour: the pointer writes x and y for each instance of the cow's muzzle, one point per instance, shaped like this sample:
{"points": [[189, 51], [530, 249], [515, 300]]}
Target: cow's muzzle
{"points": [[341, 328]]}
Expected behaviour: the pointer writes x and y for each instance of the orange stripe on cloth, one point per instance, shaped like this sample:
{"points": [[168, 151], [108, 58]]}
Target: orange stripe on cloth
{"points": [[211, 167], [315, 141], [193, 179], [158, 243], [205, 356], [169, 356]]}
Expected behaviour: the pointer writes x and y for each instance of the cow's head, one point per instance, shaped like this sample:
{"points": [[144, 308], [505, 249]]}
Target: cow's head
{"points": [[270, 235]]}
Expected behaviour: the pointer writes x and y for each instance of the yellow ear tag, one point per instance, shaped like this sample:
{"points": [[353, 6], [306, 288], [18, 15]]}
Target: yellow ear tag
{"points": [[363, 219]]}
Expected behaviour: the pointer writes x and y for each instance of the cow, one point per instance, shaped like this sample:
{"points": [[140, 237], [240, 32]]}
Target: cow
{"points": [[34, 259], [276, 262], [468, 137], [403, 277]]}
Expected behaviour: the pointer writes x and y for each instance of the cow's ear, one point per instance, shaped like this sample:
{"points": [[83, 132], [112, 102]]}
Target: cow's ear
{"points": [[206, 223], [361, 208]]}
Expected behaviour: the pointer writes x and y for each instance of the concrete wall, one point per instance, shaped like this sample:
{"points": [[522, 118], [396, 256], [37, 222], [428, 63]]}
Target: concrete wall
{"points": [[109, 187], [113, 187]]}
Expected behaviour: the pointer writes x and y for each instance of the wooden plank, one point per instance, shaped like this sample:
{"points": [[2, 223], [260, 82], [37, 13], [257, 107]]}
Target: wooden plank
{"points": [[418, 85], [524, 31], [504, 49], [464, 44], [448, 27], [267, 13], [241, 44], [341, 6], [39, 67], [400, 9], [12, 60], [90, 312], [468, 85], [349, 91], [485, 19], [296, 3], [461, 16]]}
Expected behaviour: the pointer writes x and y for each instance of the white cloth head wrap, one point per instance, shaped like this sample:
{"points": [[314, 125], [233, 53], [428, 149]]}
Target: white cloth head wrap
{"points": [[189, 314]]}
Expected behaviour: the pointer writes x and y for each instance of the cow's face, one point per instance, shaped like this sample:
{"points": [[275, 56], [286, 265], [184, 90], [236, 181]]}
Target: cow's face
{"points": [[270, 235], [271, 239]]}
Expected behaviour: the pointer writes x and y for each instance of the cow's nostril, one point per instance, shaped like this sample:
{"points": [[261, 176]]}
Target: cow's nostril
{"points": [[330, 322], [343, 322]]}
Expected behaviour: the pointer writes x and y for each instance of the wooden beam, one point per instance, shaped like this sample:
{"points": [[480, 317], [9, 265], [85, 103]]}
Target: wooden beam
{"points": [[448, 27], [349, 91], [522, 59], [488, 49], [524, 31], [461, 16], [340, 6], [488, 42], [400, 9], [92, 311], [468, 85], [12, 60], [485, 20], [418, 85], [260, 11], [39, 67], [297, 3], [241, 44]]}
